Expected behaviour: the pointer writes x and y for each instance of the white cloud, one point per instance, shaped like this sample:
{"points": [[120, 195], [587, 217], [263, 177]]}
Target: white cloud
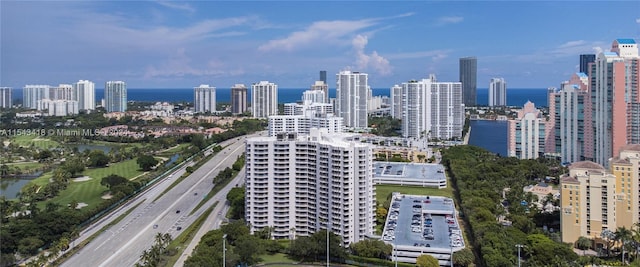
{"points": [[364, 61], [441, 21], [597, 50], [179, 65], [325, 32], [176, 5], [572, 44], [638, 20], [435, 55]]}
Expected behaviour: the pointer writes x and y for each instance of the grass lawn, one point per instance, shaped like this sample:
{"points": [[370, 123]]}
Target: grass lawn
{"points": [[276, 258], [382, 191], [175, 149], [28, 140], [26, 167], [91, 191]]}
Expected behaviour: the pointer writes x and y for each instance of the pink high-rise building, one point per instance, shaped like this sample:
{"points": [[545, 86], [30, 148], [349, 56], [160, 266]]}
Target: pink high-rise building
{"points": [[615, 92]]}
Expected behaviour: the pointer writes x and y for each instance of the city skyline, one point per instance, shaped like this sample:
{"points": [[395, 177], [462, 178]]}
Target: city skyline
{"points": [[182, 44]]}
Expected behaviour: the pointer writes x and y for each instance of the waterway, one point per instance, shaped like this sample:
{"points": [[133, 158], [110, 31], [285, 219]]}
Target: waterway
{"points": [[490, 135]]}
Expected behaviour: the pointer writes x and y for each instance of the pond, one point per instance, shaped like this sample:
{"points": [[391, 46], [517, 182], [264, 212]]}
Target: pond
{"points": [[10, 187], [172, 159], [83, 147]]}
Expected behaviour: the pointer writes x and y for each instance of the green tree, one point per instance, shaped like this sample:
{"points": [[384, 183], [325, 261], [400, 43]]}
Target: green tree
{"points": [[463, 257], [371, 249], [583, 244], [146, 162], [426, 260], [113, 180], [73, 166], [98, 159]]}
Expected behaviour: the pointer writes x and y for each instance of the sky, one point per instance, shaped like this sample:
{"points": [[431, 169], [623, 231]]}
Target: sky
{"points": [[171, 44]]}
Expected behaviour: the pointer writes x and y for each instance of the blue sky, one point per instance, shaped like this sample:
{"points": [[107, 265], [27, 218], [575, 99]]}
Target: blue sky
{"points": [[168, 44]]}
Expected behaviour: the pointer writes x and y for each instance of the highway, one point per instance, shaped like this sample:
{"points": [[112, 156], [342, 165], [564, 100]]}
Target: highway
{"points": [[123, 243]]}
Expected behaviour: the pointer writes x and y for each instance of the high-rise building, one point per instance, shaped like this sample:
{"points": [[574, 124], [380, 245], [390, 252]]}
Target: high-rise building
{"points": [[32, 93], [396, 102], [115, 96], [5, 97], [527, 133], [264, 99], [468, 78], [323, 77], [432, 109], [585, 59], [204, 98], [314, 96], [238, 99], [497, 92], [615, 92], [300, 184], [62, 92], [593, 199], [571, 120], [58, 107], [352, 91], [322, 87], [85, 92]]}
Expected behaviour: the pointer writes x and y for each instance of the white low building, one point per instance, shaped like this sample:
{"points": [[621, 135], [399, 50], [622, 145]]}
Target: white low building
{"points": [[413, 174]]}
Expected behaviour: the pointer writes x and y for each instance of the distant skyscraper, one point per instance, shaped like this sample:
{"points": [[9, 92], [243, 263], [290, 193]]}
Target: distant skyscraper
{"points": [[396, 102], [497, 92], [468, 78], [62, 92], [5, 97], [322, 86], [86, 94], [59, 107], [115, 96], [572, 120], [352, 91], [615, 92], [264, 99], [204, 98], [238, 99], [432, 109], [323, 77], [32, 93], [585, 60], [527, 133]]}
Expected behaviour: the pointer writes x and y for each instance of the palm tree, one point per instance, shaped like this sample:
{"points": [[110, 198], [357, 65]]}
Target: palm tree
{"points": [[608, 236], [623, 235], [583, 244]]}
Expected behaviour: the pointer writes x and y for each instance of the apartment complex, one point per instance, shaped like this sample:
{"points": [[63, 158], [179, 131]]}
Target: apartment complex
{"points": [[299, 184], [526, 139], [58, 107], [396, 102], [264, 99], [204, 98], [468, 78], [32, 93], [5, 97], [570, 120], [352, 91], [115, 96], [238, 99], [585, 60], [430, 109], [85, 92], [323, 87], [497, 92], [615, 91], [594, 199]]}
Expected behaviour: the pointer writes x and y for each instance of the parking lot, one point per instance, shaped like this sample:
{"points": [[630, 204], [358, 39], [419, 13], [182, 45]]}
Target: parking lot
{"points": [[422, 224]]}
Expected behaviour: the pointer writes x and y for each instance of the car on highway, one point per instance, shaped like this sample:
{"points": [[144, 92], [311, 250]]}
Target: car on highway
{"points": [[179, 228], [177, 211]]}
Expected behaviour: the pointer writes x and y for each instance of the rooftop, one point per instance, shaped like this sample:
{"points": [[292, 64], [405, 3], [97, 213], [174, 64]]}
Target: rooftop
{"points": [[404, 170], [632, 147], [586, 165], [626, 41], [582, 75]]}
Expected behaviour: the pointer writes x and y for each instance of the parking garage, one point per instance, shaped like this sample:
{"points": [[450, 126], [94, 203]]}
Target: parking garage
{"points": [[422, 225]]}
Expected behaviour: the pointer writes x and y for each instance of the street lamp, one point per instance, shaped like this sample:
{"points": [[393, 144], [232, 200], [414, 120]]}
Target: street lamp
{"points": [[519, 246], [224, 250]]}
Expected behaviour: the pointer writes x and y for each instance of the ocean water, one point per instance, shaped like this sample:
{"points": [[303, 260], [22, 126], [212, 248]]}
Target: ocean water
{"points": [[515, 97]]}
